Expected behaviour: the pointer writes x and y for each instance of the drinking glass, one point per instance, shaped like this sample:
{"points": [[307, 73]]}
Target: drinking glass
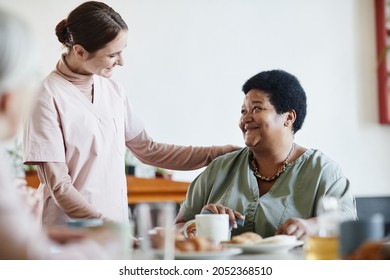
{"points": [[113, 236], [155, 229], [324, 244]]}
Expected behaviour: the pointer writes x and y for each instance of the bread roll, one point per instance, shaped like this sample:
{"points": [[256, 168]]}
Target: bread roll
{"points": [[246, 238], [185, 246], [196, 244]]}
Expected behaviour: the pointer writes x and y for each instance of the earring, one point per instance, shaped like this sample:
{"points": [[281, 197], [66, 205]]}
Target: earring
{"points": [[286, 124]]}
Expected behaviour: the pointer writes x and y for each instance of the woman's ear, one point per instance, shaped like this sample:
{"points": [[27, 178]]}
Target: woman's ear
{"points": [[80, 52], [290, 118]]}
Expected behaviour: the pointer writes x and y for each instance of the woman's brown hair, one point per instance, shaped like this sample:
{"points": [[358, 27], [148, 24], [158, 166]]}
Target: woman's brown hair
{"points": [[92, 25]]}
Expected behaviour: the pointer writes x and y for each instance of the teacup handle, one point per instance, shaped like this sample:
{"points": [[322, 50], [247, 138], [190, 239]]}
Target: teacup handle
{"points": [[190, 222]]}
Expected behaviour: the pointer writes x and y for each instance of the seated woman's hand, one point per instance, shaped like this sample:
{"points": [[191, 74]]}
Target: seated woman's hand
{"points": [[300, 228], [220, 209]]}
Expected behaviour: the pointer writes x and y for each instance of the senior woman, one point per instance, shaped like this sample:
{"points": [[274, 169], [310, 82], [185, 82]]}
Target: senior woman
{"points": [[274, 182]]}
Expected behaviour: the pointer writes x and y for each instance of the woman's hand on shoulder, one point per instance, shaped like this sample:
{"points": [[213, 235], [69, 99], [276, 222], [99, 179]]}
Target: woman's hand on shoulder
{"points": [[220, 209], [301, 228], [229, 148]]}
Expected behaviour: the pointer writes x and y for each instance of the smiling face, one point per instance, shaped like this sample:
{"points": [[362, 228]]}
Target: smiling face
{"points": [[259, 121], [103, 61]]}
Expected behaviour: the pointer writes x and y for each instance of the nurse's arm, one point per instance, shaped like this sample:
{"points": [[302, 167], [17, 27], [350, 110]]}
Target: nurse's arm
{"points": [[174, 157], [55, 177]]}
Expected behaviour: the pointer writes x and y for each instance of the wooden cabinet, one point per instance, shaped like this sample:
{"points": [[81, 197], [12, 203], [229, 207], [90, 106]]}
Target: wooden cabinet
{"points": [[142, 189]]}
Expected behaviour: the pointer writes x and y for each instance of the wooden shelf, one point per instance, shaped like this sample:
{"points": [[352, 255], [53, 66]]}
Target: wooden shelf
{"points": [[142, 189]]}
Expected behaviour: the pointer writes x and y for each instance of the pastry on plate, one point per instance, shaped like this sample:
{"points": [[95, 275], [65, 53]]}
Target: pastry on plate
{"points": [[278, 239], [196, 244], [246, 238]]}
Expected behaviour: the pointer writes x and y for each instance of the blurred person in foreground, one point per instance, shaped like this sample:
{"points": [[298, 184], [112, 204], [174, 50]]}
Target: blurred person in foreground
{"points": [[21, 237], [273, 182]]}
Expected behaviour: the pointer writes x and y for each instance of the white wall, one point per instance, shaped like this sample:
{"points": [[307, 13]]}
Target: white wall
{"points": [[186, 61]]}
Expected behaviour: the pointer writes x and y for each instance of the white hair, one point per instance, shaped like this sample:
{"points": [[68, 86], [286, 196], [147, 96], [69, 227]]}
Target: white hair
{"points": [[18, 52]]}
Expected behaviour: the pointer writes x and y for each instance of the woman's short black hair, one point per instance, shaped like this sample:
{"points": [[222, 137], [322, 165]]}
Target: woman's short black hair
{"points": [[284, 91]]}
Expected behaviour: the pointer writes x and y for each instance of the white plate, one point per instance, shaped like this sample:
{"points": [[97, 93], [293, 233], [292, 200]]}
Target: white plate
{"points": [[265, 248], [211, 255]]}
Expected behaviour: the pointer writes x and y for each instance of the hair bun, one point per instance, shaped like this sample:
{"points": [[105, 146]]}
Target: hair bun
{"points": [[62, 32]]}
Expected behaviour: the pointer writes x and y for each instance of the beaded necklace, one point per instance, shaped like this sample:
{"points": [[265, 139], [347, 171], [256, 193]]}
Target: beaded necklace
{"points": [[277, 174]]}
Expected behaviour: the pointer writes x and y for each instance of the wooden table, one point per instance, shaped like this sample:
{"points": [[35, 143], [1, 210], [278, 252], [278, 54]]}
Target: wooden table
{"points": [[142, 189]]}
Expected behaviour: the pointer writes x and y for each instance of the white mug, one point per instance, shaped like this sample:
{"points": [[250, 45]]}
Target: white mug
{"points": [[215, 227]]}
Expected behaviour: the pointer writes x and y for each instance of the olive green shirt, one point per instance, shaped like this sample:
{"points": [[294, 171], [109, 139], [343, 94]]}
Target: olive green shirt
{"points": [[229, 181]]}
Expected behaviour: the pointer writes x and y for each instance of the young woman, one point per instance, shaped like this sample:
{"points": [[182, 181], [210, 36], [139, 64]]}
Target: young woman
{"points": [[21, 236], [78, 132]]}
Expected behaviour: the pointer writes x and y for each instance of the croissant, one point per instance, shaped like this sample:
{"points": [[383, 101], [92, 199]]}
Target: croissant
{"points": [[196, 244]]}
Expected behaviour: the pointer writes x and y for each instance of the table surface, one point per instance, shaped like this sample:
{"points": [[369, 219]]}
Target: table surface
{"points": [[293, 254]]}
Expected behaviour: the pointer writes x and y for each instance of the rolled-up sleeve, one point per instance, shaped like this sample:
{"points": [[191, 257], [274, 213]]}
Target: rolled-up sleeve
{"points": [[43, 139]]}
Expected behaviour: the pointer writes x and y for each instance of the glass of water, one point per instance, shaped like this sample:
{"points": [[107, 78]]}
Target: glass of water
{"points": [[155, 229]]}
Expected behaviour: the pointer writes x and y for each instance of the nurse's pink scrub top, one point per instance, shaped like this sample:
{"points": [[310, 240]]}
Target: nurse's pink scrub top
{"points": [[89, 137]]}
